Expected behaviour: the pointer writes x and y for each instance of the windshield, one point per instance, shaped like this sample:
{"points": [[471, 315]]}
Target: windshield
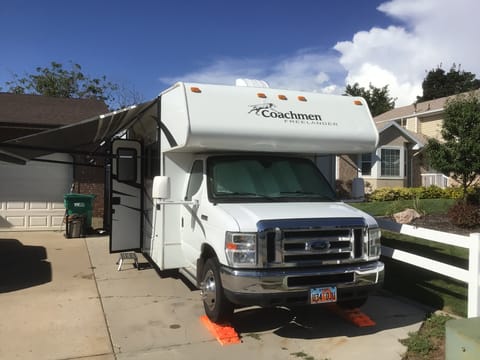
{"points": [[266, 178]]}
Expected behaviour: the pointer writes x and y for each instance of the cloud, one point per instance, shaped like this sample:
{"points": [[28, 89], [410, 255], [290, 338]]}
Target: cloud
{"points": [[427, 33], [306, 70], [432, 32]]}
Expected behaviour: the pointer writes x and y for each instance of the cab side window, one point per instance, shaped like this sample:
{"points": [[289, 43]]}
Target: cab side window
{"points": [[195, 181]]}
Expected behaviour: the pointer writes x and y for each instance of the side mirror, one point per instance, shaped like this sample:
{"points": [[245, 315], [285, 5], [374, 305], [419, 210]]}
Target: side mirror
{"points": [[161, 187]]}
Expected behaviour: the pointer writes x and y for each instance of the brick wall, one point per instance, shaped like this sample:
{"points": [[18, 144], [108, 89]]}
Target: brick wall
{"points": [[347, 171], [90, 180]]}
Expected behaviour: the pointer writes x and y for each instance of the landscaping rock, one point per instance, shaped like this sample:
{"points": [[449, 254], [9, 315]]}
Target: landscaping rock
{"points": [[406, 216]]}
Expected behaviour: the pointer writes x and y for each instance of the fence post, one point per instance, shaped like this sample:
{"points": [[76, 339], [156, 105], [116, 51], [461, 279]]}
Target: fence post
{"points": [[474, 276]]}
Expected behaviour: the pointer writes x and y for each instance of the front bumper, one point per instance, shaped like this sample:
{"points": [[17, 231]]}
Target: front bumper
{"points": [[292, 285]]}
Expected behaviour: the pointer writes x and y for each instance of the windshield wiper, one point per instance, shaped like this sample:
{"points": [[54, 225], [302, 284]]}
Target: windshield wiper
{"points": [[309, 193], [239, 193]]}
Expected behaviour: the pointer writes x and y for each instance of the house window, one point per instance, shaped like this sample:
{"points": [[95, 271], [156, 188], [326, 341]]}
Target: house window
{"points": [[390, 162], [366, 164]]}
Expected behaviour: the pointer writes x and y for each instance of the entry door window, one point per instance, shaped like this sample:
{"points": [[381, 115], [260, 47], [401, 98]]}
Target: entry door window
{"points": [[126, 165]]}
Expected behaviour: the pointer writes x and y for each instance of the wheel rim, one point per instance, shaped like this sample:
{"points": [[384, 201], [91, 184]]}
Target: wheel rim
{"points": [[209, 287]]}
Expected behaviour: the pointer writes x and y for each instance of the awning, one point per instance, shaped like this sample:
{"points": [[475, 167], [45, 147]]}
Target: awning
{"points": [[82, 136]]}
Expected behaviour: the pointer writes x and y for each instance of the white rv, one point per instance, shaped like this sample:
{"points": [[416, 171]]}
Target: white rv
{"points": [[222, 183]]}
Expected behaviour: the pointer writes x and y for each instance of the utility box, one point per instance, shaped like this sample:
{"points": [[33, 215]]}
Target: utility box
{"points": [[463, 339]]}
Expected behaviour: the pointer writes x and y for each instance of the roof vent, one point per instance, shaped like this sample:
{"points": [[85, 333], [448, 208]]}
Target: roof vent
{"points": [[252, 83]]}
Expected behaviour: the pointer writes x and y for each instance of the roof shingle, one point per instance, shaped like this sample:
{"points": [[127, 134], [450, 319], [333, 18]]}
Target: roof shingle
{"points": [[45, 110]]}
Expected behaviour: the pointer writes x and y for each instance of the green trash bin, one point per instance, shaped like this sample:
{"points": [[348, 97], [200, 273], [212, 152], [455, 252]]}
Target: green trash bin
{"points": [[80, 204]]}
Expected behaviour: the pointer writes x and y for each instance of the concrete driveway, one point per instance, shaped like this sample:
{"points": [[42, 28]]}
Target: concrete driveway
{"points": [[87, 309]]}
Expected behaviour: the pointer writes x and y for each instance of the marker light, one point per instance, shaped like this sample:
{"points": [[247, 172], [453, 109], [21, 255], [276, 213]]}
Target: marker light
{"points": [[282, 97], [302, 98], [261, 95], [357, 102], [195, 89]]}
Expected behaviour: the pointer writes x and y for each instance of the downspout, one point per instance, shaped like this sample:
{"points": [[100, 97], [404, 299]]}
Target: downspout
{"points": [[74, 173]]}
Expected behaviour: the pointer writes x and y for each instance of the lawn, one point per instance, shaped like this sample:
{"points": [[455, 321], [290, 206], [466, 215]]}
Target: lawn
{"points": [[429, 288], [382, 208]]}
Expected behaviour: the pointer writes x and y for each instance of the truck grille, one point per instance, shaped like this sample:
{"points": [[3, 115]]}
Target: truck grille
{"points": [[311, 241]]}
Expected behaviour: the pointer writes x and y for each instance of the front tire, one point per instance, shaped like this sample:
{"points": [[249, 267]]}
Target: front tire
{"points": [[217, 307]]}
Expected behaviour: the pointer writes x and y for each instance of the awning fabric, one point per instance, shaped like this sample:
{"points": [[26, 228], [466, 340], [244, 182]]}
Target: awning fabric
{"points": [[84, 135]]}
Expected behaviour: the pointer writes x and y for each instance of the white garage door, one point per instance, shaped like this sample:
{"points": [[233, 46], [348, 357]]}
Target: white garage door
{"points": [[31, 196]]}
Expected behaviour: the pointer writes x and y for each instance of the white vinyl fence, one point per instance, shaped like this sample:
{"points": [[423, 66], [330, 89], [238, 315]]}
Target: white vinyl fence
{"points": [[472, 243]]}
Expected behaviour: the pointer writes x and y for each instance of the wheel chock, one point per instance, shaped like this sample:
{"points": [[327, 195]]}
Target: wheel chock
{"points": [[354, 316], [225, 334]]}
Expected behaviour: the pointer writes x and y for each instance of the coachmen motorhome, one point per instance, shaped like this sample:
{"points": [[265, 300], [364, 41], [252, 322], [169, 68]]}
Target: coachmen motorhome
{"points": [[229, 192]]}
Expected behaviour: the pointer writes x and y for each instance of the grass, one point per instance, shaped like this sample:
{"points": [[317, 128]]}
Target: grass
{"points": [[382, 208], [429, 341]]}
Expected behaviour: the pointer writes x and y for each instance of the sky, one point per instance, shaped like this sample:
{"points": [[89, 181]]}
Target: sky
{"points": [[310, 45]]}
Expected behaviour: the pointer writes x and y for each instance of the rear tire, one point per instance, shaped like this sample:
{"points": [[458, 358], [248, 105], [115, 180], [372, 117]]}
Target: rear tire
{"points": [[217, 307]]}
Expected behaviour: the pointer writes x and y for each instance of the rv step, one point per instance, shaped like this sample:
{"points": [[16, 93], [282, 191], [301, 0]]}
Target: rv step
{"points": [[127, 256]]}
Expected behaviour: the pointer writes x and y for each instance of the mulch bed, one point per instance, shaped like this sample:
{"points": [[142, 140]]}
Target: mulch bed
{"points": [[442, 223]]}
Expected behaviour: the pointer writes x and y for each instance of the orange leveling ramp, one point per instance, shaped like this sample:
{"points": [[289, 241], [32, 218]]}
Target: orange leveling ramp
{"points": [[225, 334], [355, 316]]}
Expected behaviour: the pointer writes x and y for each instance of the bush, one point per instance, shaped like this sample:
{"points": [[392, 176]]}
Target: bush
{"points": [[431, 192], [464, 214]]}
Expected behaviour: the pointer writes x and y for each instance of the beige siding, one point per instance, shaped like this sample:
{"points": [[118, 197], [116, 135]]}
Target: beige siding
{"points": [[431, 126], [411, 124]]}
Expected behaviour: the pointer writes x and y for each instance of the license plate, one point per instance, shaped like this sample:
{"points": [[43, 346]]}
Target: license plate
{"points": [[323, 295]]}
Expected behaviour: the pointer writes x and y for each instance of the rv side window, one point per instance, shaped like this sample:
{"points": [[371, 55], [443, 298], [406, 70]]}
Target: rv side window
{"points": [[195, 181], [127, 165]]}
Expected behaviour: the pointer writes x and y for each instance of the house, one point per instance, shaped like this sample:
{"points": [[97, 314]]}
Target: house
{"points": [[31, 195], [399, 160]]}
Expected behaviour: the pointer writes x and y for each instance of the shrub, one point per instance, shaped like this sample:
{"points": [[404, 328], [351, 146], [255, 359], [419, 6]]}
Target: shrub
{"points": [[453, 193], [464, 215], [431, 192]]}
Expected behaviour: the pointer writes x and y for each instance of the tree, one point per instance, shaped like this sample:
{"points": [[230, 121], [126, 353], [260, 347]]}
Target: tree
{"points": [[378, 99], [439, 83], [71, 83], [458, 155]]}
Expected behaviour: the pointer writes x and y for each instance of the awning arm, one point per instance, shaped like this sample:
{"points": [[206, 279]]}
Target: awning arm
{"points": [[11, 158]]}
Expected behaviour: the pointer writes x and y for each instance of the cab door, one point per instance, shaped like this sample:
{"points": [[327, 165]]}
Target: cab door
{"points": [[192, 227], [126, 196]]}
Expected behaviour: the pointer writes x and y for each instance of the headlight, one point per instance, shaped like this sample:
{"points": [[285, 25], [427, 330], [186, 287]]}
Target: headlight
{"points": [[374, 247], [241, 249]]}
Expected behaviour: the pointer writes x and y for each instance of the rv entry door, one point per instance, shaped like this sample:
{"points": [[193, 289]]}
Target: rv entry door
{"points": [[126, 196]]}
